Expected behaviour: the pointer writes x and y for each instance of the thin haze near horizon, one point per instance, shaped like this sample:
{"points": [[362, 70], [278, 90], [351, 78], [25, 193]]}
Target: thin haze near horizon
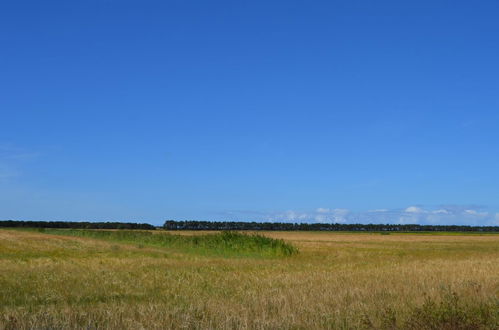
{"points": [[328, 111]]}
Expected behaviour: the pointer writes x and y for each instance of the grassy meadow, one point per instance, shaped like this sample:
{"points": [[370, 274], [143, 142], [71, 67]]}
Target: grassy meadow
{"points": [[92, 279]]}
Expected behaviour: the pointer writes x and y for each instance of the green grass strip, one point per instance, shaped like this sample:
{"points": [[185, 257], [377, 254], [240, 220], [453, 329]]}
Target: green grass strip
{"points": [[226, 243]]}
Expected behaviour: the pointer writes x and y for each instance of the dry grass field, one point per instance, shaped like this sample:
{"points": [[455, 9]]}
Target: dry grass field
{"points": [[336, 281]]}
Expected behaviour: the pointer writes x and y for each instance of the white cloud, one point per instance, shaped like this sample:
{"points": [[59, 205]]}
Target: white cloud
{"points": [[442, 215], [476, 213], [320, 214], [332, 211], [341, 211], [320, 218], [323, 215], [414, 209], [340, 215], [293, 216]]}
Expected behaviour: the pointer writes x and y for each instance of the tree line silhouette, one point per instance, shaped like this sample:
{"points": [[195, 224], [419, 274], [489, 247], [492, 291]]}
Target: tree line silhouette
{"points": [[75, 225], [239, 225], [284, 226]]}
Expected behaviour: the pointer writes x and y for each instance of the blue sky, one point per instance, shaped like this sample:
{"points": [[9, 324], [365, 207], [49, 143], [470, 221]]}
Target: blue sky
{"points": [[343, 111]]}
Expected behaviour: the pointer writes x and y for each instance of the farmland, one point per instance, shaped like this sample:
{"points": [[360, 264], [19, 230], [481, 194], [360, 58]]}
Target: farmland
{"points": [[200, 280]]}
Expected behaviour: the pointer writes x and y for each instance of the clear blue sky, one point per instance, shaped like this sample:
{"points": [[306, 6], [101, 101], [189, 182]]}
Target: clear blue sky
{"points": [[349, 111]]}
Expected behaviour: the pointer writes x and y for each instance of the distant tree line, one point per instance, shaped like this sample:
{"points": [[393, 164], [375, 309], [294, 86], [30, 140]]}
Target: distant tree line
{"points": [[239, 225], [231, 225], [75, 225]]}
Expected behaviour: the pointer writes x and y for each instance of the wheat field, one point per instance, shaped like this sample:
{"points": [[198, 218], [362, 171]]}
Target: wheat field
{"points": [[336, 281]]}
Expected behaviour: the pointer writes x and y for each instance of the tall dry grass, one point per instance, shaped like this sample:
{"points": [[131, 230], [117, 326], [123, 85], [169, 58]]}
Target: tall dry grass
{"points": [[348, 281]]}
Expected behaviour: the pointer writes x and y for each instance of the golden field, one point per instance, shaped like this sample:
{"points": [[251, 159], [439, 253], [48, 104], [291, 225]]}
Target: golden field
{"points": [[336, 281]]}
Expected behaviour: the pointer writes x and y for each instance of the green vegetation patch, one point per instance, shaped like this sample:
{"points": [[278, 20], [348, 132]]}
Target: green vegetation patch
{"points": [[226, 243]]}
